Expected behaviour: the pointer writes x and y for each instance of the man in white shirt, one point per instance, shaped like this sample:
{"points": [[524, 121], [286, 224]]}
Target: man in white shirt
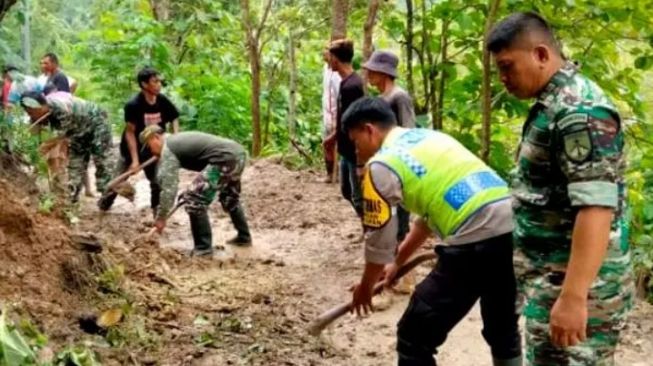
{"points": [[330, 88]]}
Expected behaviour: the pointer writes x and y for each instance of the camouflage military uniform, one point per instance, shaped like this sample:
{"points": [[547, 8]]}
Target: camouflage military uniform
{"points": [[85, 124], [570, 157], [221, 163]]}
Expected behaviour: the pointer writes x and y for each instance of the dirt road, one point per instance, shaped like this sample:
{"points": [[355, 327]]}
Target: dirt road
{"points": [[251, 306]]}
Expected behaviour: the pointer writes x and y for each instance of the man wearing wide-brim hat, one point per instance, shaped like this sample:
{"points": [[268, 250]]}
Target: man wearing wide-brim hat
{"points": [[381, 71]]}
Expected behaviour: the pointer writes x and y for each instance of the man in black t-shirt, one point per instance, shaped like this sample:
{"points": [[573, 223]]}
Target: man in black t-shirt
{"points": [[351, 88], [149, 107], [56, 79]]}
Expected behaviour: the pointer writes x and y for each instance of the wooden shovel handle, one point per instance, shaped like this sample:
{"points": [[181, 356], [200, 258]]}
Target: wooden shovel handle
{"points": [[119, 179], [336, 312]]}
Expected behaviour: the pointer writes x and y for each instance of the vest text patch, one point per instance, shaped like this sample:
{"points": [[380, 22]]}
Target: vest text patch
{"points": [[376, 210]]}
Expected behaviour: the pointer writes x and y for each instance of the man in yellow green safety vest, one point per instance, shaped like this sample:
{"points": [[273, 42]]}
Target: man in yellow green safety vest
{"points": [[459, 199]]}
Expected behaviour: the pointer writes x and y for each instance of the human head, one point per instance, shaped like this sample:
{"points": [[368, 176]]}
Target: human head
{"points": [[149, 81], [34, 104], [367, 122], [526, 53], [49, 63], [152, 137], [6, 71], [341, 52], [381, 66]]}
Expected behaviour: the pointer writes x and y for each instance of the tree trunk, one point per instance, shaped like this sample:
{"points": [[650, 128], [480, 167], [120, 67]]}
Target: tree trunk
{"points": [[486, 89], [444, 45], [292, 102], [253, 40], [426, 62], [160, 9], [26, 34], [256, 102], [4, 7], [368, 34], [339, 19], [409, 47]]}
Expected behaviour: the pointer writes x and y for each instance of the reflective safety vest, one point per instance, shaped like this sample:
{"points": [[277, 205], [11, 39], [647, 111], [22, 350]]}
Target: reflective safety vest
{"points": [[441, 180]]}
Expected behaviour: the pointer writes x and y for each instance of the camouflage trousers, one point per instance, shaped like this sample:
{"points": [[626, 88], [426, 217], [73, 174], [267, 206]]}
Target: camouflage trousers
{"points": [[540, 274], [222, 180], [96, 145]]}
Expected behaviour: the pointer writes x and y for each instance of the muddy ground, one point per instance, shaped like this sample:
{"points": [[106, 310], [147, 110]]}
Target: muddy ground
{"points": [[247, 306]]}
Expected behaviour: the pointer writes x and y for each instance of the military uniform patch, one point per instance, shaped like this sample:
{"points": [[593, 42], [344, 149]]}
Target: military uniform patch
{"points": [[376, 210], [578, 145]]}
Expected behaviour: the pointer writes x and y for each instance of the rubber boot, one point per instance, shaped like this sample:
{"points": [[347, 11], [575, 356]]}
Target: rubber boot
{"points": [[200, 227], [239, 220], [516, 361]]}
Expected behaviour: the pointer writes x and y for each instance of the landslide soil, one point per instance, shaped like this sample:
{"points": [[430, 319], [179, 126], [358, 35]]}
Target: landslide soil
{"points": [[246, 306]]}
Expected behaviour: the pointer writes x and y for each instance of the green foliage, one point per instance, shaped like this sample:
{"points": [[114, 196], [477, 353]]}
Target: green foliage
{"points": [[77, 356], [201, 51], [111, 279], [14, 350]]}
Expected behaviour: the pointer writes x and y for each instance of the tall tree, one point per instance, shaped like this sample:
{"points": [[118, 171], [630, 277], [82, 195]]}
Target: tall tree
{"points": [[368, 33], [409, 46], [160, 9], [486, 89], [438, 106], [339, 12], [253, 32], [292, 88]]}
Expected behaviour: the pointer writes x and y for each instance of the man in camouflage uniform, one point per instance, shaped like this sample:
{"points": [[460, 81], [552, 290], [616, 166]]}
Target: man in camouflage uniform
{"points": [[572, 258], [85, 125], [220, 162]]}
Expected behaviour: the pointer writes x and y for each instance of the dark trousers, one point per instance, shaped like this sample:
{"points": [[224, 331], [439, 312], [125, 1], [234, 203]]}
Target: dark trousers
{"points": [[350, 186], [106, 201], [463, 274]]}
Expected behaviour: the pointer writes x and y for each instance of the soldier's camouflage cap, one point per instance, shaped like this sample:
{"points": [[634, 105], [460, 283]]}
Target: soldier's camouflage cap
{"points": [[148, 132]]}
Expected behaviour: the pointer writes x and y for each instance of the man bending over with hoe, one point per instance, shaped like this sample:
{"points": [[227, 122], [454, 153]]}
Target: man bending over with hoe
{"points": [[220, 162]]}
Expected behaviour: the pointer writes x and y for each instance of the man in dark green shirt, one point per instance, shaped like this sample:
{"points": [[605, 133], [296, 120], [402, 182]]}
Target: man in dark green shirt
{"points": [[220, 162]]}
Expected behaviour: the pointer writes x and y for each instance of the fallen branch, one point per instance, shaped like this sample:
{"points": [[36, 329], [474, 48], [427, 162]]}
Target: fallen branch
{"points": [[336, 312], [163, 279], [301, 151]]}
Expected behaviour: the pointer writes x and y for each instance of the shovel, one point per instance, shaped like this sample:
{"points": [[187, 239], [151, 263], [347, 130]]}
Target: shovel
{"points": [[331, 315], [122, 177]]}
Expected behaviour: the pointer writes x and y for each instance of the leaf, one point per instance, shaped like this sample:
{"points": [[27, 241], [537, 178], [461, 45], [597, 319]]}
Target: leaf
{"points": [[201, 320], [110, 318], [644, 62], [14, 351], [77, 356]]}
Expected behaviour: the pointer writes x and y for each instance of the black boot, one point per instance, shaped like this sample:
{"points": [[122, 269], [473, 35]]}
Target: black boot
{"points": [[239, 220], [200, 227]]}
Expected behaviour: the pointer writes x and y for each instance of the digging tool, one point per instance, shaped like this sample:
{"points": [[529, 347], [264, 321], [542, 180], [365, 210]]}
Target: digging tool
{"points": [[331, 315], [38, 121], [122, 177], [180, 202]]}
